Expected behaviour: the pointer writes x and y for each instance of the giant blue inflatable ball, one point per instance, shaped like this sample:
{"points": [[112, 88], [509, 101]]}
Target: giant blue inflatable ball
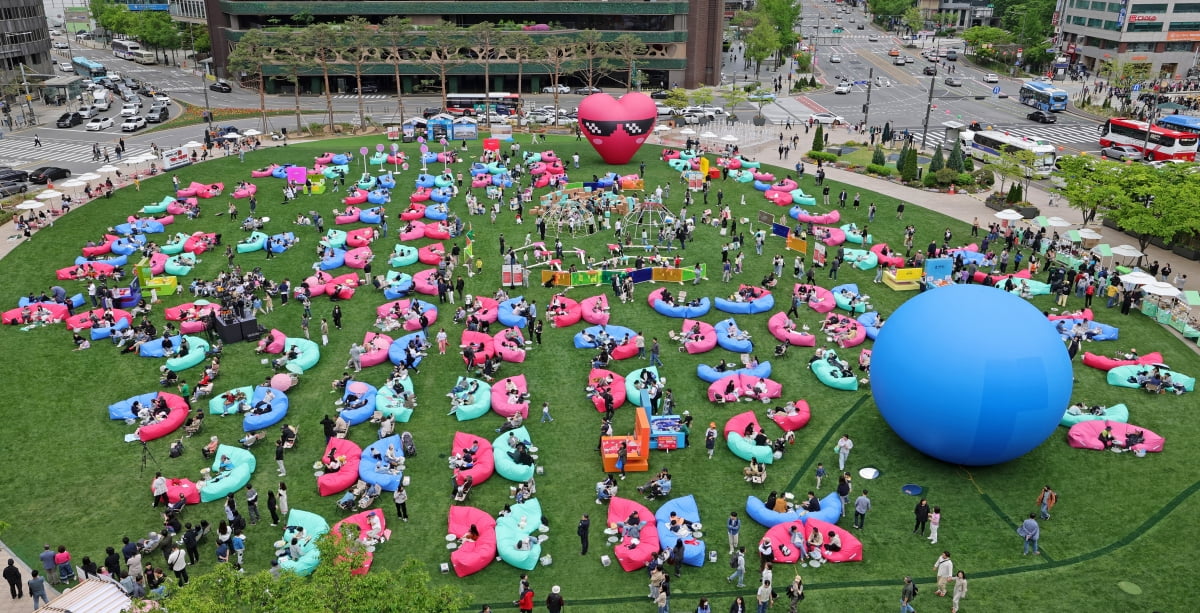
{"points": [[970, 375]]}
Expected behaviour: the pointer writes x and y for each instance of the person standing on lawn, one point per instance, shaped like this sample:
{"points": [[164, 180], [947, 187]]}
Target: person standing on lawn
{"points": [[1046, 501], [862, 504], [1030, 531], [943, 567]]}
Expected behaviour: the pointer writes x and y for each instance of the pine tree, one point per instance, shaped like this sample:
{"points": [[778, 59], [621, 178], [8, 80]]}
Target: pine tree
{"points": [[1014, 194], [818, 142], [910, 165], [938, 162], [955, 160], [878, 158], [886, 136]]}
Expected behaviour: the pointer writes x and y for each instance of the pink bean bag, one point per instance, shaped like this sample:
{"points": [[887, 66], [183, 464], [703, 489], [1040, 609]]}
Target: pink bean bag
{"points": [[360, 237], [483, 345], [171, 423], [472, 556], [175, 487], [996, 278], [199, 242], [829, 218], [790, 423], [1085, 314], [415, 230], [423, 282], [414, 211], [324, 158], [794, 336], [833, 236], [778, 198], [1106, 363], [708, 337], [58, 311], [421, 195], [333, 483], [95, 250], [744, 384], [317, 282], [737, 423], [616, 388], [210, 191], [359, 258], [245, 192], [264, 172], [193, 326], [431, 254], [765, 177], [624, 351], [481, 181], [858, 333], [785, 185], [437, 231], [542, 181], [851, 550], [887, 260], [487, 309], [82, 321], [342, 286], [670, 154], [158, 263], [822, 300], [595, 309], [189, 191], [375, 349], [485, 461], [350, 215], [272, 343], [633, 556], [89, 270], [177, 313], [177, 208], [500, 403], [362, 524], [507, 352], [571, 312], [1086, 435], [730, 163]]}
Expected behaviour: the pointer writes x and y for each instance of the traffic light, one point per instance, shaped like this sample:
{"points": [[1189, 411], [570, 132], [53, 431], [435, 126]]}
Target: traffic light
{"points": [[865, 107]]}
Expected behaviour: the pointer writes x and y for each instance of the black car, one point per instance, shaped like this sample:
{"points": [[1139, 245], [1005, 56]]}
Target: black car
{"points": [[367, 89], [430, 111], [221, 86], [861, 26], [9, 175], [930, 70], [12, 188], [660, 94], [46, 174], [1042, 117], [67, 120]]}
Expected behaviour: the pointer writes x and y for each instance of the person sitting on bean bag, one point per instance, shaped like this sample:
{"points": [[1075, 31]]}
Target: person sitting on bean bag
{"points": [[835, 543], [754, 470], [521, 455], [812, 505]]}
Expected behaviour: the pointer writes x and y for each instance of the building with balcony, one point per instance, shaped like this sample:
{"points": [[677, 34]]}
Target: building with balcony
{"points": [[967, 13], [188, 11], [24, 38], [682, 38], [1163, 35]]}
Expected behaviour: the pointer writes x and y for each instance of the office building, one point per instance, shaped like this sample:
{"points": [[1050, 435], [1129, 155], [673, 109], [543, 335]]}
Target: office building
{"points": [[1163, 35], [24, 38]]}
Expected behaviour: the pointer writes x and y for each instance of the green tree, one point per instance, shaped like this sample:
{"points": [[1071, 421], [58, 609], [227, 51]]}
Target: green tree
{"points": [[557, 53], [248, 57], [323, 41], [1091, 184], [1171, 212], [485, 43], [732, 97], [938, 161], [885, 137], [592, 55], [295, 61], [1014, 196], [441, 51], [703, 96], [955, 160], [626, 49], [399, 34], [818, 141], [156, 30], [913, 19], [521, 49], [762, 42], [677, 98], [360, 37], [783, 16], [907, 164], [877, 157], [979, 36]]}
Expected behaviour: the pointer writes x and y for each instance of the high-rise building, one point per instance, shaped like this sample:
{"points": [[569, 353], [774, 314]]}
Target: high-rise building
{"points": [[24, 38], [682, 37], [1164, 36]]}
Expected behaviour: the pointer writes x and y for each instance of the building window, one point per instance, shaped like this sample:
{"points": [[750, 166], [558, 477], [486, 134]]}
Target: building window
{"points": [[1079, 21], [1184, 26], [1142, 9], [1144, 26], [1099, 6], [1143, 47], [1112, 25], [1095, 23], [1186, 7], [1114, 7], [1179, 46]]}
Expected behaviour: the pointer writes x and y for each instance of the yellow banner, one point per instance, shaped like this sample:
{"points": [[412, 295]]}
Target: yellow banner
{"points": [[797, 244], [908, 274]]}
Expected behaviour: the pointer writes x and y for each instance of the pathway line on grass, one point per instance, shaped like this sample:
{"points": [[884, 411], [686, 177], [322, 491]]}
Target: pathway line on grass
{"points": [[812, 457]]}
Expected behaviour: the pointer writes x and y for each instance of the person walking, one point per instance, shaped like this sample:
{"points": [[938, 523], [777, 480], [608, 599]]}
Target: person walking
{"points": [[921, 513], [943, 567], [655, 352], [733, 526], [738, 562], [763, 596], [710, 438], [252, 503], [795, 593], [582, 530], [12, 575], [554, 602], [177, 561], [401, 500], [844, 445], [906, 596], [279, 457], [37, 140], [862, 504], [1046, 501], [960, 591], [935, 522], [1030, 531], [37, 589]]}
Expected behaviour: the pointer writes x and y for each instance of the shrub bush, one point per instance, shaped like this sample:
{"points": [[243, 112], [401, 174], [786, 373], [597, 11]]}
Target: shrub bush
{"points": [[965, 179], [930, 180], [822, 156], [881, 169], [945, 176], [984, 177]]}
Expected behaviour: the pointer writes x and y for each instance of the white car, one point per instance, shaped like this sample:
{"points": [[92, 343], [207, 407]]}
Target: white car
{"points": [[826, 118], [991, 77], [835, 59], [161, 97], [66, 67], [61, 45], [133, 123], [131, 109], [562, 89], [842, 88], [664, 109], [99, 123]]}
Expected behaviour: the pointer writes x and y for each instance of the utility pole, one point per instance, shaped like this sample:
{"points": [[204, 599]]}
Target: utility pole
{"points": [[1149, 123], [28, 97], [928, 109], [867, 106]]}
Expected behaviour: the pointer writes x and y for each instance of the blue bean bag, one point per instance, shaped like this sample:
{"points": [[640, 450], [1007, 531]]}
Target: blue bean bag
{"points": [[287, 237], [506, 316], [363, 413], [1126, 376], [340, 159], [482, 404], [437, 212], [103, 333], [683, 311], [197, 352], [280, 171], [396, 350], [118, 260], [371, 215], [314, 527], [334, 238], [523, 521], [366, 468], [831, 511], [257, 241], [145, 226], [832, 376], [685, 508], [1118, 413], [843, 302], [220, 485], [870, 322], [505, 466], [124, 409], [388, 402], [310, 352], [399, 284], [153, 348], [1064, 327], [711, 375], [616, 332], [387, 182], [762, 304], [730, 343], [216, 406], [337, 259], [279, 409], [128, 245], [424, 180], [503, 180], [404, 255], [376, 196]]}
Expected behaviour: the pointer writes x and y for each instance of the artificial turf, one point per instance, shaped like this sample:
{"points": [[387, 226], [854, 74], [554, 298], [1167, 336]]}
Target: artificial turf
{"points": [[71, 480]]}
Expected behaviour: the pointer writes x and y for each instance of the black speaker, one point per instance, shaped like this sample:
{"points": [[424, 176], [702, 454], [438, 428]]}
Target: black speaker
{"points": [[229, 330], [249, 326]]}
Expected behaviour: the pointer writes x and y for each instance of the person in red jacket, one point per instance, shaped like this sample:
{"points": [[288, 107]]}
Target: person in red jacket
{"points": [[525, 604]]}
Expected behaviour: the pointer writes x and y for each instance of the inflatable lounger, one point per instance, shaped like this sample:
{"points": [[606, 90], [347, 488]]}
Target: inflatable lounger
{"points": [[685, 508]]}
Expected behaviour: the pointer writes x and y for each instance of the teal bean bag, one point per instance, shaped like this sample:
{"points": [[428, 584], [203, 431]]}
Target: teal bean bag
{"points": [[314, 527], [1125, 376], [179, 265], [403, 255], [1117, 413], [197, 351], [255, 242], [523, 521], [843, 302], [388, 402], [310, 352], [854, 234], [175, 245], [862, 259], [632, 392], [221, 485], [832, 376], [216, 406], [161, 207], [483, 400], [505, 465], [1036, 288], [745, 449], [334, 238]]}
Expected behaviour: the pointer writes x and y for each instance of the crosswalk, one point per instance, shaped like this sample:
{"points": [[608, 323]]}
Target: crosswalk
{"points": [[1058, 134], [19, 152]]}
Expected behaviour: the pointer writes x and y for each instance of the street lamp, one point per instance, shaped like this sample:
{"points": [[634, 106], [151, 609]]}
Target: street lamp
{"points": [[28, 96]]}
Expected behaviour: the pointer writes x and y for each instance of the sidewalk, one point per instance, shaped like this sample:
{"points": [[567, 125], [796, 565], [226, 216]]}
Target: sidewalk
{"points": [[24, 605]]}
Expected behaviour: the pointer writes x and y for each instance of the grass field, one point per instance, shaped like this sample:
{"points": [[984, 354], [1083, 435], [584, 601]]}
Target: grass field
{"points": [[71, 480]]}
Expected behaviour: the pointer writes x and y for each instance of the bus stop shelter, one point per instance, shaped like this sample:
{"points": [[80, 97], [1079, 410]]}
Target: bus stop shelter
{"points": [[60, 90]]}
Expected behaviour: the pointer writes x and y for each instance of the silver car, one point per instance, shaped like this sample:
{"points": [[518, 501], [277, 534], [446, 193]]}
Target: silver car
{"points": [[1122, 152]]}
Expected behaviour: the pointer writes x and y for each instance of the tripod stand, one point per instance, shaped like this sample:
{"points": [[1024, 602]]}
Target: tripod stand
{"points": [[147, 455]]}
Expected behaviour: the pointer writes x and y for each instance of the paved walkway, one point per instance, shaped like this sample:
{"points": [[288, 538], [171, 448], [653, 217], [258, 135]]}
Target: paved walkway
{"points": [[24, 605]]}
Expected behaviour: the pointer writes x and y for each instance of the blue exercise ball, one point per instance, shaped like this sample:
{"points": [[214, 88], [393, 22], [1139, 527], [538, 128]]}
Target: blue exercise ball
{"points": [[971, 375]]}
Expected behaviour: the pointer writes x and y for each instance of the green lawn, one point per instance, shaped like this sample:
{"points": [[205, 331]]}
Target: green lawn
{"points": [[73, 481]]}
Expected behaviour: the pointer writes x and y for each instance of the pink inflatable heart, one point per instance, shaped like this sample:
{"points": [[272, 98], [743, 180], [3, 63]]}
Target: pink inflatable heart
{"points": [[617, 128]]}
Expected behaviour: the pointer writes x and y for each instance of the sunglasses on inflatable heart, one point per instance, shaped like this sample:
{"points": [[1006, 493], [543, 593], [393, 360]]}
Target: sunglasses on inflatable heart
{"points": [[636, 127]]}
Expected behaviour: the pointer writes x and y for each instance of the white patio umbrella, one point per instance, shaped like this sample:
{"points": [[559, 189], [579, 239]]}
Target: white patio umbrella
{"points": [[1160, 288], [91, 176], [232, 136], [192, 144], [662, 128], [729, 138], [1137, 277], [251, 132], [687, 131], [49, 194], [708, 135], [107, 168], [1128, 251], [1009, 215], [73, 184], [1057, 222], [1090, 234], [30, 205]]}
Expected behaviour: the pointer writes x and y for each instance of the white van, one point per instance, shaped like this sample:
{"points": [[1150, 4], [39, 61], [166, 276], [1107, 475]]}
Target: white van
{"points": [[101, 98]]}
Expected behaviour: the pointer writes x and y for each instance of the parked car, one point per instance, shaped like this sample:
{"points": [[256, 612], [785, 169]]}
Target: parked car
{"points": [[953, 82], [664, 109], [9, 175], [991, 77], [1042, 116], [929, 70], [221, 86], [12, 188], [660, 94], [45, 174], [133, 124], [61, 44], [67, 120], [561, 89], [1122, 152], [367, 89], [99, 123]]}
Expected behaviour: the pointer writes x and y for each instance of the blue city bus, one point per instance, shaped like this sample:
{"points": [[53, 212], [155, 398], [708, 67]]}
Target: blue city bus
{"points": [[1181, 123], [1044, 96], [88, 69]]}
